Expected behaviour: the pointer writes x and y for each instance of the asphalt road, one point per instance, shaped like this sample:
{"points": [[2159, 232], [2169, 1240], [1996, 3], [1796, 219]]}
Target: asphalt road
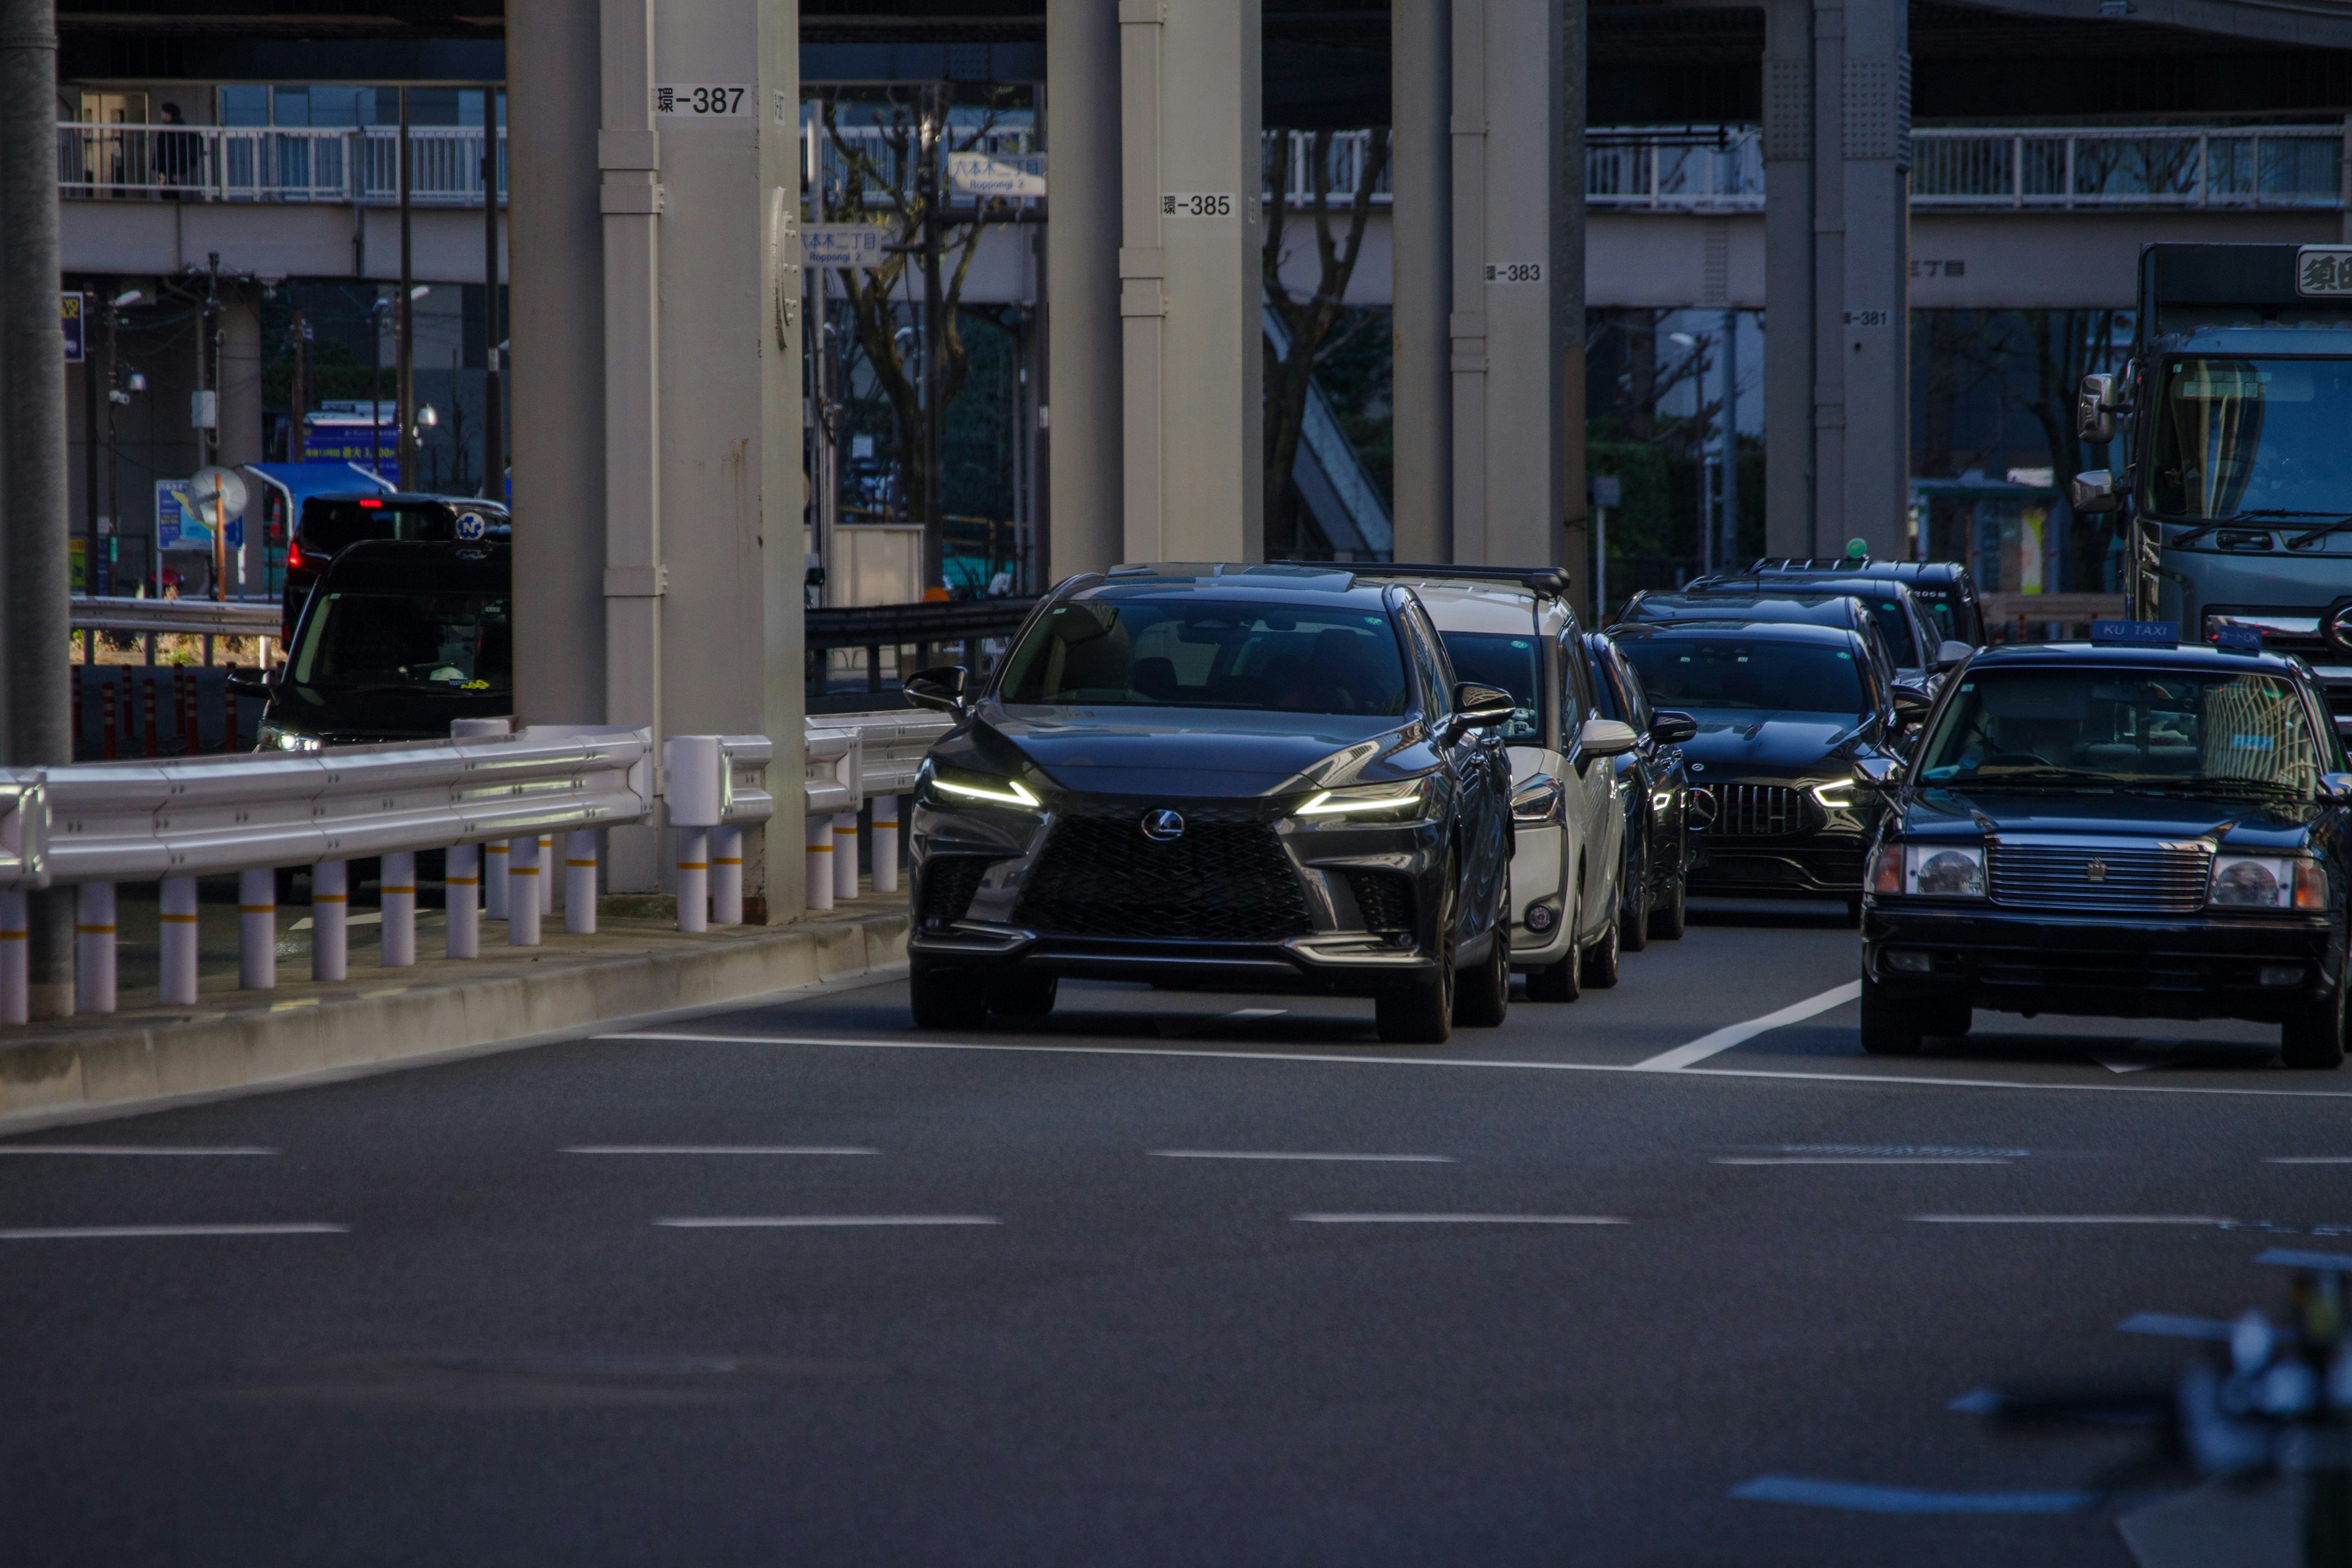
{"points": [[1559, 1292]]}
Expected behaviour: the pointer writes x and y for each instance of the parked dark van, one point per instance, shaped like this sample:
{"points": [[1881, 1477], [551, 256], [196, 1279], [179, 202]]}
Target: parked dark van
{"points": [[333, 524]]}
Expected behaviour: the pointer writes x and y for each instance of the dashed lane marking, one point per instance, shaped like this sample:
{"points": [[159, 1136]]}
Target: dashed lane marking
{"points": [[1859, 1159], [2070, 1219], [709, 1149], [1268, 1154], [131, 1151], [115, 1232], [819, 1221], [1459, 1219]]}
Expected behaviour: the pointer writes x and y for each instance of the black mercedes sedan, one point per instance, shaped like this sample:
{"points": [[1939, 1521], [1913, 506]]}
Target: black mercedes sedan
{"points": [[1264, 778], [2115, 830], [1787, 714]]}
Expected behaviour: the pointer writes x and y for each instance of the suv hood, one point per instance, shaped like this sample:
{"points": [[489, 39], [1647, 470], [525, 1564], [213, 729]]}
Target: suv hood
{"points": [[1187, 752]]}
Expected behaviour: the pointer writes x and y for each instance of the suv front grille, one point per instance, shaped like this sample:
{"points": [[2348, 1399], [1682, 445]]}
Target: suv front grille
{"points": [[2126, 879], [1384, 898], [1758, 811], [948, 883], [1226, 879]]}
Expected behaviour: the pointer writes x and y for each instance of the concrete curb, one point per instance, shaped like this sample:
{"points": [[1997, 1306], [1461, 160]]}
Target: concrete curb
{"points": [[181, 1059]]}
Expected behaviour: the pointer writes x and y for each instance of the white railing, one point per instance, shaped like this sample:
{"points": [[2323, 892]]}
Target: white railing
{"points": [[1344, 168], [852, 758], [2268, 166], [1712, 168], [272, 164], [228, 618]]}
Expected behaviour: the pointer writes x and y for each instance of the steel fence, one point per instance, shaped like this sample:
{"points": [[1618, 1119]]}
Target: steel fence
{"points": [[273, 164]]}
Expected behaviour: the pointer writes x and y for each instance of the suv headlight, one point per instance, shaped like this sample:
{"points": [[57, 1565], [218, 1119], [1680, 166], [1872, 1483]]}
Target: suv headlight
{"points": [[1837, 793], [1930, 870], [2267, 882], [1380, 801], [270, 737], [1539, 800], [975, 789]]}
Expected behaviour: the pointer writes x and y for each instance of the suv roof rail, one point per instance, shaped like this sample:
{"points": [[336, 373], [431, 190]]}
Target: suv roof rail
{"points": [[1536, 579]]}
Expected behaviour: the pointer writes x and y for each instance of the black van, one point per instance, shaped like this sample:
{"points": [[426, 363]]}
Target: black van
{"points": [[397, 640], [330, 524]]}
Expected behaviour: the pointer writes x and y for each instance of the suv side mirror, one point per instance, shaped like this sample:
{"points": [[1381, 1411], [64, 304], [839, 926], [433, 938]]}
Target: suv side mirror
{"points": [[2335, 786], [1911, 704], [1477, 707], [939, 688], [1606, 738], [1951, 651], [2094, 411], [1670, 728], [252, 683], [1877, 773], [2094, 490]]}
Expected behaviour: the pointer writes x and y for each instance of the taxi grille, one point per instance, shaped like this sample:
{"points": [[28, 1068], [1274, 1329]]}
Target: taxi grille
{"points": [[1227, 879], [1758, 811], [2161, 880]]}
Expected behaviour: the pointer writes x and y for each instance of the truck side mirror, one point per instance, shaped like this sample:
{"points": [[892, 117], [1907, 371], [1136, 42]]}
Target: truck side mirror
{"points": [[2094, 490], [2094, 410]]}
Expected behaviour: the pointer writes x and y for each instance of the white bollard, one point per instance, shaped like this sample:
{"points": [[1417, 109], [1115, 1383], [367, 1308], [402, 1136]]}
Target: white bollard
{"points": [[886, 844], [820, 862], [331, 920], [726, 876], [522, 892], [94, 948], [494, 880], [15, 957], [546, 873], [175, 914], [845, 855], [463, 882], [256, 930], [693, 879], [397, 889], [580, 883]]}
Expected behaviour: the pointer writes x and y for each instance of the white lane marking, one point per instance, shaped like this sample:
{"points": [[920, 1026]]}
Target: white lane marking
{"points": [[819, 1221], [371, 918], [1859, 1160], [1255, 1154], [2308, 1160], [2172, 1325], [2138, 1057], [2067, 1219], [128, 1150], [1723, 1039], [108, 1232], [708, 1149], [1458, 1219], [1909, 1151], [1898, 1080]]}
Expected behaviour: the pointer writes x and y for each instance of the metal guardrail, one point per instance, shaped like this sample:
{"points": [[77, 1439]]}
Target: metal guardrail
{"points": [[272, 164], [853, 758], [230, 617]]}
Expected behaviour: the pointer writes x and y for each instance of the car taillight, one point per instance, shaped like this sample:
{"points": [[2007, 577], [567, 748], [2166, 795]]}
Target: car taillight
{"points": [[294, 561]]}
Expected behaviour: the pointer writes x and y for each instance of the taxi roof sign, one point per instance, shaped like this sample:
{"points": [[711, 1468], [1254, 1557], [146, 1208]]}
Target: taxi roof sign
{"points": [[2238, 638], [2136, 634]]}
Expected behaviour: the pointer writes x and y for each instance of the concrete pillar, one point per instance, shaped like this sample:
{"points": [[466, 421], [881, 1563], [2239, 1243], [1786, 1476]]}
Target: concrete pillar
{"points": [[1837, 127], [1190, 299], [732, 492], [240, 422], [1421, 161], [555, 256], [1510, 329], [1083, 377]]}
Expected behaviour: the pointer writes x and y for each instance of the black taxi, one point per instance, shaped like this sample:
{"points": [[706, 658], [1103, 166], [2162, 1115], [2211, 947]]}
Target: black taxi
{"points": [[2125, 827]]}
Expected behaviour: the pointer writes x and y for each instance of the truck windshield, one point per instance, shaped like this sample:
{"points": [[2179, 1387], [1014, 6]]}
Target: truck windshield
{"points": [[2261, 435], [2213, 731]]}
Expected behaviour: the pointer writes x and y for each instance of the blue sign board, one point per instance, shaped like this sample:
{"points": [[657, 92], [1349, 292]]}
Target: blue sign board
{"points": [[2136, 634], [177, 525]]}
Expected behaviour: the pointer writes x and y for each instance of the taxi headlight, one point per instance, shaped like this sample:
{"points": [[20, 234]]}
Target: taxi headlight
{"points": [[2267, 882], [1538, 800], [1944, 870], [970, 790], [1380, 801]]}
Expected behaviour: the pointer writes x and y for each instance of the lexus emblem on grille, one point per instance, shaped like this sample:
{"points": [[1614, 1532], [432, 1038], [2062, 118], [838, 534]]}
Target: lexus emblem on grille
{"points": [[1163, 825], [2096, 871]]}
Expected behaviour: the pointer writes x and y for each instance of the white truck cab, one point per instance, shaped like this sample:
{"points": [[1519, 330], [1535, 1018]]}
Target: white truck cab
{"points": [[1516, 630]]}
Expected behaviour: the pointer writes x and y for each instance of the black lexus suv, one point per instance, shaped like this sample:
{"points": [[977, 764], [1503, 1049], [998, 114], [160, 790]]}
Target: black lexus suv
{"points": [[1263, 778]]}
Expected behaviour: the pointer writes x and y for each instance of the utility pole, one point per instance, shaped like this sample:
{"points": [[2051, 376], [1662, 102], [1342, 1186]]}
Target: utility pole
{"points": [[493, 459], [299, 398], [935, 522], [88, 463], [37, 620], [403, 347], [113, 431], [1729, 556]]}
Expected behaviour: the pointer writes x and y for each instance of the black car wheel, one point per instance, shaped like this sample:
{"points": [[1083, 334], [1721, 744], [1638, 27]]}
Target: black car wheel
{"points": [[2315, 1043], [1422, 1014], [1889, 1027], [1600, 959], [945, 998], [1024, 996], [1671, 915], [1482, 1000], [1633, 890]]}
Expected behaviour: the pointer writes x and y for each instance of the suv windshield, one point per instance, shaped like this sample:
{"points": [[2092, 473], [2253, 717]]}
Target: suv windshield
{"points": [[2218, 729], [1512, 663], [1748, 674], [2237, 435], [1210, 653], [458, 640]]}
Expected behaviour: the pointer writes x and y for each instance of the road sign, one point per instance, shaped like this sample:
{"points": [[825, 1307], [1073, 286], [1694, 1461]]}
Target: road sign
{"points": [[215, 490], [997, 173], [69, 315], [180, 525], [843, 245], [1607, 490]]}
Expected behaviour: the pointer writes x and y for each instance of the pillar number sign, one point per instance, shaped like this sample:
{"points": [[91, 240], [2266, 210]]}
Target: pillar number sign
{"points": [[1178, 204], [694, 101]]}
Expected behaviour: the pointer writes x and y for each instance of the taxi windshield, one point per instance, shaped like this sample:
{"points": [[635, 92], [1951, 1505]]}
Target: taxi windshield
{"points": [[2230, 732], [461, 641], [1494, 658]]}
